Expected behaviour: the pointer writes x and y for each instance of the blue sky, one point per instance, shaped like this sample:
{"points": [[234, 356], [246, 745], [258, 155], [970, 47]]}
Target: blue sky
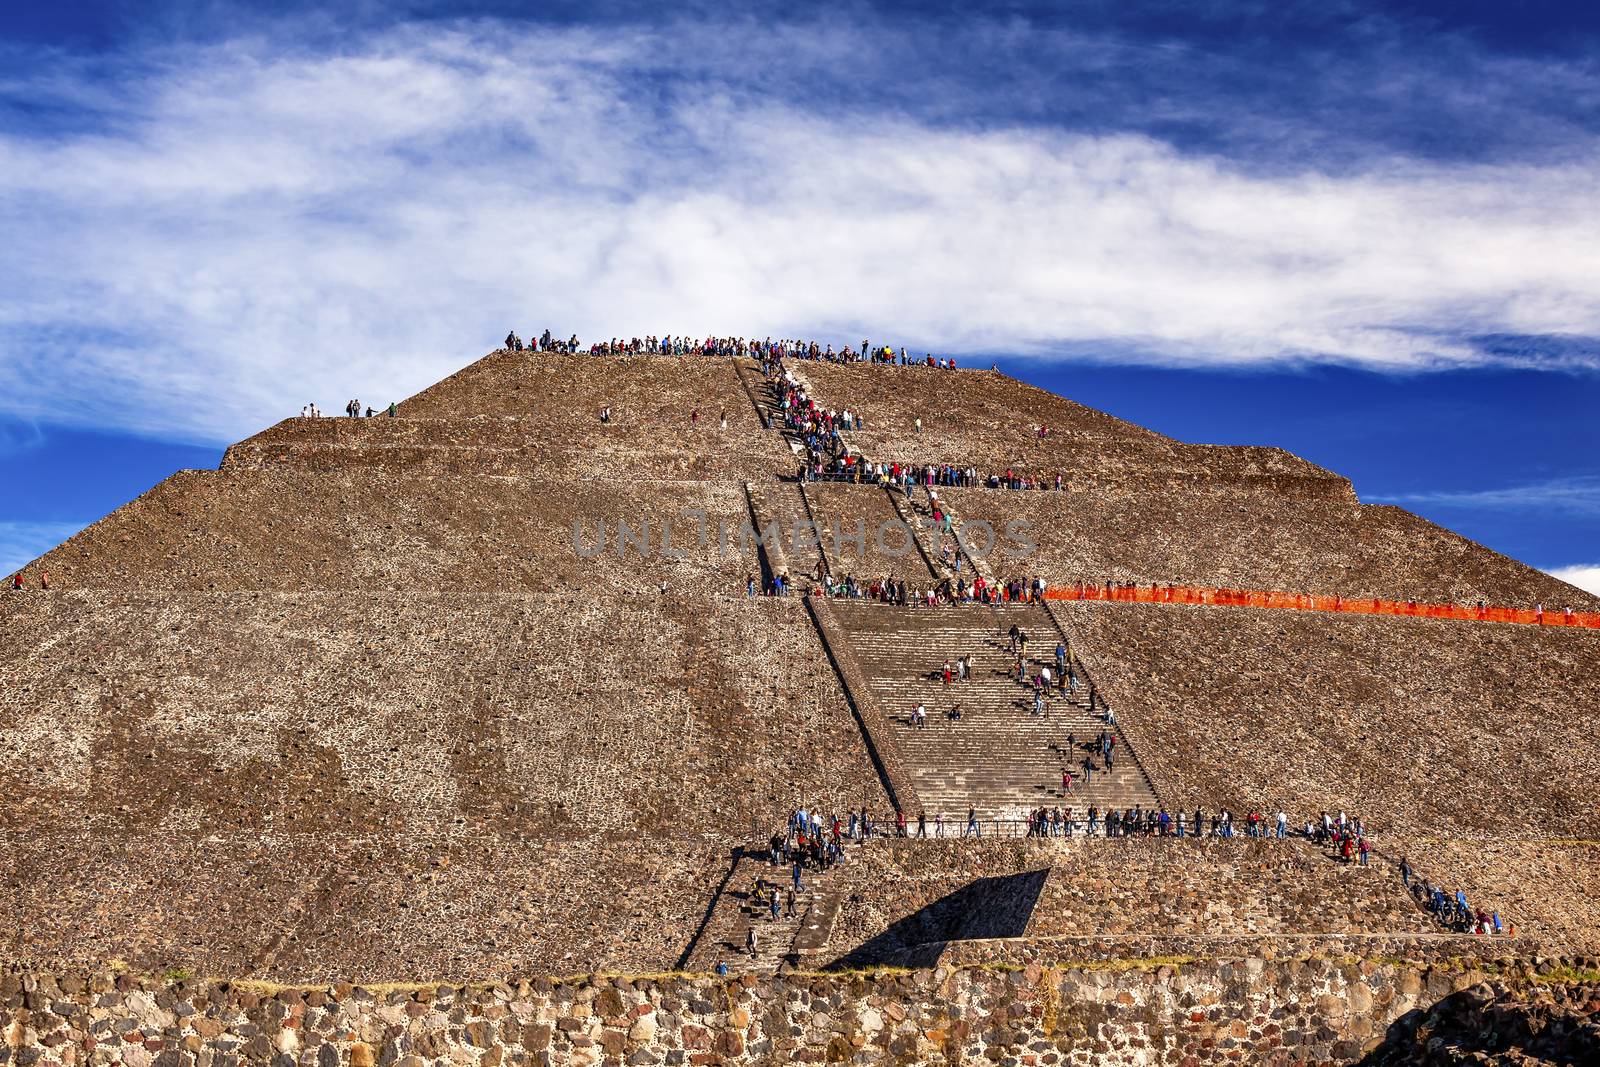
{"points": [[1368, 233]]}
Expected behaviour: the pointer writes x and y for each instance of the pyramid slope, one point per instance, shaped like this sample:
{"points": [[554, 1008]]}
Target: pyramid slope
{"points": [[557, 715], [354, 705], [370, 529], [1258, 541], [992, 421], [1423, 726]]}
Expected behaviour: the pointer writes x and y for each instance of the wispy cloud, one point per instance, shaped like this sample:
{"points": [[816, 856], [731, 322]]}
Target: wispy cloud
{"points": [[22, 542], [17, 437], [252, 224], [1584, 576], [1579, 495]]}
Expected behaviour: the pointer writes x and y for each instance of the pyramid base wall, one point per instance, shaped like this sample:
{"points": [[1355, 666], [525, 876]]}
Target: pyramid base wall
{"points": [[1333, 1010]]}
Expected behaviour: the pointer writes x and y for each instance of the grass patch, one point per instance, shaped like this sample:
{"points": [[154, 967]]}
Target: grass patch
{"points": [[1565, 975], [1135, 963]]}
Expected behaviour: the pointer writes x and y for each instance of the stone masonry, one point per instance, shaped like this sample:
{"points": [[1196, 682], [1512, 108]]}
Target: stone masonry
{"points": [[1132, 1013]]}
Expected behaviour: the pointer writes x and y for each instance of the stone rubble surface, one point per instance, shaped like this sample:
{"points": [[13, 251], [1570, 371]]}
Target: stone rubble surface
{"points": [[356, 707]]}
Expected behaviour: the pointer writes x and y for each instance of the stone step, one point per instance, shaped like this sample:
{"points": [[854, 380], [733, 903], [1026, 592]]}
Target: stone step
{"points": [[1000, 757]]}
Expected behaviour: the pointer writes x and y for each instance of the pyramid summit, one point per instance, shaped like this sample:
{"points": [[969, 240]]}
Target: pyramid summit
{"points": [[515, 681]]}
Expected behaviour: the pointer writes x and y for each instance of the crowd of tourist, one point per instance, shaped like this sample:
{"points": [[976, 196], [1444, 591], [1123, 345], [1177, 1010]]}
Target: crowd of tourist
{"points": [[969, 477], [811, 841], [1451, 910], [891, 590], [1345, 838], [746, 347], [352, 409]]}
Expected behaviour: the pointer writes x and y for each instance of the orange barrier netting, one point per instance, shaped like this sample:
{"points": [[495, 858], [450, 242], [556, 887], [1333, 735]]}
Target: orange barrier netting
{"points": [[1255, 598]]}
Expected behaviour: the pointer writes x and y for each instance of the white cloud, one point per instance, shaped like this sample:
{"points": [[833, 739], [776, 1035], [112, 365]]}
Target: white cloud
{"points": [[1584, 576], [256, 225], [23, 542], [1578, 495]]}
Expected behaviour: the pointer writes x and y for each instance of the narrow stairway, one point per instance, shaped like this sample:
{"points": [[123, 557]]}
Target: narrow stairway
{"points": [[742, 908], [765, 394], [999, 757], [783, 505]]}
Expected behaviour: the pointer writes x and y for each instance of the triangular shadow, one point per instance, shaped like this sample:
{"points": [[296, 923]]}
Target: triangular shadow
{"points": [[988, 908]]}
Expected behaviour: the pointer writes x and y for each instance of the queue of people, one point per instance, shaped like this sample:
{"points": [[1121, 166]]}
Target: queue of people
{"points": [[1139, 821], [745, 347], [353, 409], [1452, 910]]}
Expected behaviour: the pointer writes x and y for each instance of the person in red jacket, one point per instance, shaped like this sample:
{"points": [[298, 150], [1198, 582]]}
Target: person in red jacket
{"points": [[16, 581]]}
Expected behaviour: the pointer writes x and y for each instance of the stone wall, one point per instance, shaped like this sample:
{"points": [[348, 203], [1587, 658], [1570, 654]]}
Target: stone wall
{"points": [[331, 906], [1299, 1011], [556, 715], [895, 893], [1256, 541], [572, 446], [1423, 725], [369, 531], [1067, 951]]}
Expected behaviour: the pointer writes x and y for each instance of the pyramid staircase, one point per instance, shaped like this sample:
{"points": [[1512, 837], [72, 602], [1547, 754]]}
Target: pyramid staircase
{"points": [[788, 939], [783, 504], [763, 394], [999, 757]]}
